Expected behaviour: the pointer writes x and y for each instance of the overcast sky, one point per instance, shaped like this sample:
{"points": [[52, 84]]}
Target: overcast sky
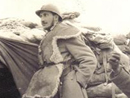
{"points": [[111, 15]]}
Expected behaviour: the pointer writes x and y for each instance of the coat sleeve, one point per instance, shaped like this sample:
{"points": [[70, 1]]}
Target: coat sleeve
{"points": [[122, 80], [85, 57]]}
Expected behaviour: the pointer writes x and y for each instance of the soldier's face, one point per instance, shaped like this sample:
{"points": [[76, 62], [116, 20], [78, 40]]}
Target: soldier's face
{"points": [[47, 20]]}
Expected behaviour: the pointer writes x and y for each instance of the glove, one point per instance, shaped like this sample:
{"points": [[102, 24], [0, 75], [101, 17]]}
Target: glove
{"points": [[114, 61]]}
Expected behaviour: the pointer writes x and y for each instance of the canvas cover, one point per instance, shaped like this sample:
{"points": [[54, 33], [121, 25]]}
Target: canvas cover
{"points": [[21, 59]]}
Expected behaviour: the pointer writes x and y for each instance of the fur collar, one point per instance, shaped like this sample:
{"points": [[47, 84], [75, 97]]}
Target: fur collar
{"points": [[65, 31]]}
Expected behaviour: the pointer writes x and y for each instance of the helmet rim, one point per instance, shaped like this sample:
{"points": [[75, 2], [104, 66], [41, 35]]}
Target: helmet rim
{"points": [[49, 8]]}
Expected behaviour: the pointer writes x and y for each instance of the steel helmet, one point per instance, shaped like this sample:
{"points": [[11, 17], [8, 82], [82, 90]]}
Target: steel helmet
{"points": [[51, 8]]}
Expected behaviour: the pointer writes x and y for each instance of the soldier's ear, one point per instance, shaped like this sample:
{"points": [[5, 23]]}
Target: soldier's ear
{"points": [[56, 17]]}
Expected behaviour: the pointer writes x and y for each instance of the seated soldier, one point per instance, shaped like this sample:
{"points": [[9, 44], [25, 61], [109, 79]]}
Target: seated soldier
{"points": [[119, 75]]}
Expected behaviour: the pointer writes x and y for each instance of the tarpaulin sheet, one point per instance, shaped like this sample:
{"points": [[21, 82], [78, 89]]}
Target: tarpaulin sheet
{"points": [[22, 60]]}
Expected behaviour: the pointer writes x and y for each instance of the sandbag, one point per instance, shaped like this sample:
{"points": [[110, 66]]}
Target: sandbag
{"points": [[102, 90], [97, 79], [29, 24], [122, 95], [21, 30], [33, 35], [120, 39], [70, 15], [11, 35]]}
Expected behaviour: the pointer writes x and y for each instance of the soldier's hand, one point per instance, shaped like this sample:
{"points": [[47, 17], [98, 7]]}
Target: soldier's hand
{"points": [[114, 61]]}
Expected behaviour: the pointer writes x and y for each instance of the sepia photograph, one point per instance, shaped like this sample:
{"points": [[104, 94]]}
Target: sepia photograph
{"points": [[64, 49]]}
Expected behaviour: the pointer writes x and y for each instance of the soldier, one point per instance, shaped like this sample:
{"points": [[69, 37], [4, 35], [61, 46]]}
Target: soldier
{"points": [[64, 45], [119, 76]]}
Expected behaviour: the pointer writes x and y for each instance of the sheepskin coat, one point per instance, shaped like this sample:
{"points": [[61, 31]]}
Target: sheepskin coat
{"points": [[64, 44]]}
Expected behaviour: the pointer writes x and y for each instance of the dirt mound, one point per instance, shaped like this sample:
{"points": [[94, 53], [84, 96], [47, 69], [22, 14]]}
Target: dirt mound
{"points": [[20, 29]]}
